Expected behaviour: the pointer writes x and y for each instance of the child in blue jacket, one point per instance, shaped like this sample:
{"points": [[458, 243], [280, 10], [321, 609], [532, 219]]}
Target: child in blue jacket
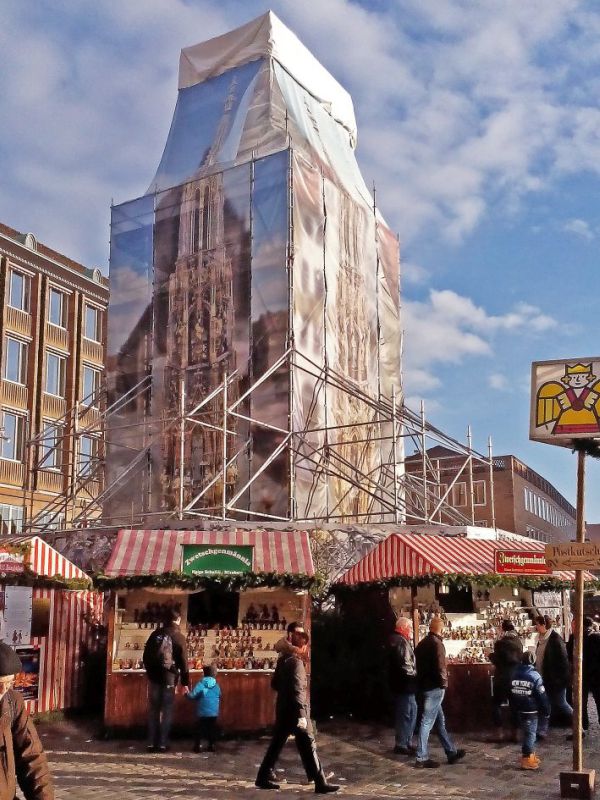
{"points": [[207, 694], [529, 699]]}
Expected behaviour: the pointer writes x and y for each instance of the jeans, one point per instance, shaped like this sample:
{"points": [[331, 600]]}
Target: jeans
{"points": [[406, 718], [558, 702], [529, 727], [433, 715], [160, 713]]}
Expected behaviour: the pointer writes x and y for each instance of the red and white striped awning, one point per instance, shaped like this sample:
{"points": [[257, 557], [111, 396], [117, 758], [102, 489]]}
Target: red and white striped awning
{"points": [[413, 554], [138, 552], [45, 560]]}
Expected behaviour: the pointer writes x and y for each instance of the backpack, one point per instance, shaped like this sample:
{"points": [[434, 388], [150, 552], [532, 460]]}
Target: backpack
{"points": [[158, 652]]}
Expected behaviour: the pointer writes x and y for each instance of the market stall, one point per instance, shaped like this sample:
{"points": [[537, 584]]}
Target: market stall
{"points": [[50, 615], [473, 584], [236, 591]]}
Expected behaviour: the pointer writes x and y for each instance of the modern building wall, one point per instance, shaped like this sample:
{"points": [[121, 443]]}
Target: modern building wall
{"points": [[524, 501], [52, 334]]}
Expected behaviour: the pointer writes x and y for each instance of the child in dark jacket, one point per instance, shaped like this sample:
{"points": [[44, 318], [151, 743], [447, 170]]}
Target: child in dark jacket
{"points": [[529, 700], [207, 694]]}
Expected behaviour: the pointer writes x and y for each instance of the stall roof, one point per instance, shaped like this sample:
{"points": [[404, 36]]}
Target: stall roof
{"points": [[415, 554], [144, 552], [43, 559]]}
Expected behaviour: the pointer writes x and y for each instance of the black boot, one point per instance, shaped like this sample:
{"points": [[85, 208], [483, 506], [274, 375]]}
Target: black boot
{"points": [[321, 785], [265, 782]]}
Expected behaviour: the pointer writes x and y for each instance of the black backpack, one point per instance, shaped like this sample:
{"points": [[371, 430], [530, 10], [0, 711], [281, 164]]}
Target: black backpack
{"points": [[158, 652]]}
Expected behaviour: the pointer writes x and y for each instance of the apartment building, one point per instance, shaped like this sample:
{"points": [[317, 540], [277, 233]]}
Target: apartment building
{"points": [[52, 329], [524, 502]]}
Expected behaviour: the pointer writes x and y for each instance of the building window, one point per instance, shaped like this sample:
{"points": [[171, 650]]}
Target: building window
{"points": [[50, 521], [51, 446], [88, 455], [459, 495], [90, 386], [15, 362], [18, 290], [12, 442], [91, 326], [11, 520], [55, 374], [57, 308], [479, 493]]}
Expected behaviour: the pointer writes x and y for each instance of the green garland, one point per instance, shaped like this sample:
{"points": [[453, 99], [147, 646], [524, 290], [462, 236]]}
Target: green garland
{"points": [[233, 583], [30, 578], [462, 581]]}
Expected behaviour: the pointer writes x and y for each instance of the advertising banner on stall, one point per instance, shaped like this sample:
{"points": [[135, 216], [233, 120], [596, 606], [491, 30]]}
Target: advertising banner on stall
{"points": [[520, 562], [213, 559], [15, 628], [28, 680], [11, 560]]}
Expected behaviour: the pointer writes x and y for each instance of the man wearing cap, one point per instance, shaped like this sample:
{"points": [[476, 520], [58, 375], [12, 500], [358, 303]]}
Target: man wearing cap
{"points": [[24, 761]]}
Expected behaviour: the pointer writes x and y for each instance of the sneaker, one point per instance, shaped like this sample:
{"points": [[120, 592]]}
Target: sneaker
{"points": [[457, 756], [530, 762], [428, 764], [405, 751], [326, 788], [151, 749]]}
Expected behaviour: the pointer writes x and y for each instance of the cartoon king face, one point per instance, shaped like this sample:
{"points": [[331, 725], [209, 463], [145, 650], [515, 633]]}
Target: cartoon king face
{"points": [[572, 410]]}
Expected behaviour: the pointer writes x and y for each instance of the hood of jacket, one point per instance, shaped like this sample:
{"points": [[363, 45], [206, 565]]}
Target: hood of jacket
{"points": [[209, 682]]}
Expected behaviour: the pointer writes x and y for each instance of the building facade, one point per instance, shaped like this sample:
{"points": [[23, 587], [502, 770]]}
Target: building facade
{"points": [[52, 329], [523, 501]]}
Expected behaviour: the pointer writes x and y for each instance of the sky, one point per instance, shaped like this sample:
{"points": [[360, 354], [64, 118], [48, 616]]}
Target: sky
{"points": [[477, 122]]}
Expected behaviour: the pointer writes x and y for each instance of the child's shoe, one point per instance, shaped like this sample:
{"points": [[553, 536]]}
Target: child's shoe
{"points": [[530, 762]]}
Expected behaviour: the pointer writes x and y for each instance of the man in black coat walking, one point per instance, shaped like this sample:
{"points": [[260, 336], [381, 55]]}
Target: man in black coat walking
{"points": [[552, 662], [402, 669], [507, 655], [292, 717]]}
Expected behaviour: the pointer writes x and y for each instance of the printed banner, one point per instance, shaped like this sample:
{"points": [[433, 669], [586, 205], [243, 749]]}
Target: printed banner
{"points": [[213, 559], [16, 624], [520, 562], [28, 680]]}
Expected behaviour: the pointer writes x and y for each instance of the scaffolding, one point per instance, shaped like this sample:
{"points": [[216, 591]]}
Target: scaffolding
{"points": [[400, 491]]}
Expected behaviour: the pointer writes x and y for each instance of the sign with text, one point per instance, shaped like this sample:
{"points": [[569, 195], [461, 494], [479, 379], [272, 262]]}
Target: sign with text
{"points": [[565, 400], [520, 562], [573, 555], [216, 559]]}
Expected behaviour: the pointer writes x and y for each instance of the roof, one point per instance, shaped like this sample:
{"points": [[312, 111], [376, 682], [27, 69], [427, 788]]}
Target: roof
{"points": [[147, 552], [44, 560], [267, 36], [422, 554]]}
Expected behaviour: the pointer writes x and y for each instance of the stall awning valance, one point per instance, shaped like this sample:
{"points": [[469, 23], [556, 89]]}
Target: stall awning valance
{"points": [[44, 560], [144, 552], [420, 554]]}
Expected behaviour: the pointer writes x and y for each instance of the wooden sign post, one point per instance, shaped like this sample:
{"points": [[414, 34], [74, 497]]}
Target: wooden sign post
{"points": [[565, 410]]}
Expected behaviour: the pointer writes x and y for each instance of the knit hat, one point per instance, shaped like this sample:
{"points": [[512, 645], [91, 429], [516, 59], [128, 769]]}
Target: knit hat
{"points": [[10, 663]]}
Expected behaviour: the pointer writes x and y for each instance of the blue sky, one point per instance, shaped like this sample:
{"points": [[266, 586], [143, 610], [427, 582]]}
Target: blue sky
{"points": [[478, 122]]}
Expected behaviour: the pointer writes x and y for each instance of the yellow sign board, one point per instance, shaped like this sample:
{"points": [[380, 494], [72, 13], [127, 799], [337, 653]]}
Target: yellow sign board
{"points": [[565, 400], [573, 555]]}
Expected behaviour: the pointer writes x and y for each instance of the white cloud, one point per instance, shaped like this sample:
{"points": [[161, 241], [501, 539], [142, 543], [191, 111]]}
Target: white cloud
{"points": [[499, 382], [413, 273], [579, 227]]}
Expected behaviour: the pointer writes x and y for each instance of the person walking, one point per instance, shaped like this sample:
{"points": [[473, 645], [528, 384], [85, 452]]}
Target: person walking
{"points": [[432, 680], [207, 694], [165, 660], [591, 668], [529, 701], [402, 668], [552, 662], [23, 759], [508, 651], [292, 718]]}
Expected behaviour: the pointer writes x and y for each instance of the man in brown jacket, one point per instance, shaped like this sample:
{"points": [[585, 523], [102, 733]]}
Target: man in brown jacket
{"points": [[24, 761]]}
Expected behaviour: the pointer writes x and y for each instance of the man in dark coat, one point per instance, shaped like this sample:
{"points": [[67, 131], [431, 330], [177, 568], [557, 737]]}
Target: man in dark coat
{"points": [[292, 717], [24, 761], [591, 668], [163, 675], [403, 685], [508, 651], [432, 680], [552, 662]]}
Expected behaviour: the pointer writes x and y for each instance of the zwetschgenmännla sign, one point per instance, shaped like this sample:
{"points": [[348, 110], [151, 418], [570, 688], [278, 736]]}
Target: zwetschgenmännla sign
{"points": [[216, 559]]}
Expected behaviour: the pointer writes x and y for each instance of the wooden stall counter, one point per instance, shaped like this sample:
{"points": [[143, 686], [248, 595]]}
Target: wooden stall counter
{"points": [[468, 700], [247, 701]]}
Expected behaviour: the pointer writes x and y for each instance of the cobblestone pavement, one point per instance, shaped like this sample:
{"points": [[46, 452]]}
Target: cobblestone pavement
{"points": [[360, 756]]}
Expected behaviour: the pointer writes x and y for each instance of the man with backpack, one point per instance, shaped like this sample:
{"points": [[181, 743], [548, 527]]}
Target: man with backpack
{"points": [[165, 660]]}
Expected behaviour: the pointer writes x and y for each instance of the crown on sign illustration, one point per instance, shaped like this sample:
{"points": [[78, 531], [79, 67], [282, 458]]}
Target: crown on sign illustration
{"points": [[577, 369]]}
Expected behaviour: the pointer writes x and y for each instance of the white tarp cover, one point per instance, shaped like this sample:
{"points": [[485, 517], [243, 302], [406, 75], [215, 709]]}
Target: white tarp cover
{"points": [[268, 36]]}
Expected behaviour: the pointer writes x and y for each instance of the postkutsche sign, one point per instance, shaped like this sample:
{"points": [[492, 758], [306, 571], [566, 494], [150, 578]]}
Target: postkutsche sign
{"points": [[521, 562]]}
